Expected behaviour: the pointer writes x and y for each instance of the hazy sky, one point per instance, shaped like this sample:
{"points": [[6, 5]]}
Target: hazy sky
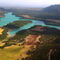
{"points": [[28, 3]]}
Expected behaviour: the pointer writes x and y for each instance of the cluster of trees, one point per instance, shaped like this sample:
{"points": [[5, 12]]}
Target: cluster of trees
{"points": [[17, 24], [48, 16], [51, 40], [42, 52]]}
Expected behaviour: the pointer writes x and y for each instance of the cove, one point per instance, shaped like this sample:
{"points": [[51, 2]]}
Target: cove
{"points": [[9, 18]]}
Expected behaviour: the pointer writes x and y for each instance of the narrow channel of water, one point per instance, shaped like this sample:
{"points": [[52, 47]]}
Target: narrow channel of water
{"points": [[9, 18]]}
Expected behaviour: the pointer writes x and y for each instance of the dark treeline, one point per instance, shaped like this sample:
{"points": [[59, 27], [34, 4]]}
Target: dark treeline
{"points": [[51, 42]]}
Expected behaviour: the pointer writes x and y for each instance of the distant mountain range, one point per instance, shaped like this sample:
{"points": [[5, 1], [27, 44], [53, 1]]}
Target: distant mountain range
{"points": [[49, 9], [51, 12], [54, 9]]}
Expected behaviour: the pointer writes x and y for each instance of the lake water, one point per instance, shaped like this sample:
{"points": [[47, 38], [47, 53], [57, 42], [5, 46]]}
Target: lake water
{"points": [[9, 18]]}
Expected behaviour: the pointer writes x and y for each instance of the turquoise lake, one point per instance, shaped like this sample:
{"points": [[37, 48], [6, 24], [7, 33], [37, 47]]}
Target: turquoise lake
{"points": [[9, 18]]}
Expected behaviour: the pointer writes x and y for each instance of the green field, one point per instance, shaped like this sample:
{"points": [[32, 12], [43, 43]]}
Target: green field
{"points": [[10, 53]]}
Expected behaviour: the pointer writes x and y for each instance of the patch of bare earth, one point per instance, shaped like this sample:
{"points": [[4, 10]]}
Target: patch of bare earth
{"points": [[26, 16], [31, 40]]}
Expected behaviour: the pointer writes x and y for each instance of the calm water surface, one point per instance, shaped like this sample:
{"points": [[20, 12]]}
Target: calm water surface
{"points": [[9, 18]]}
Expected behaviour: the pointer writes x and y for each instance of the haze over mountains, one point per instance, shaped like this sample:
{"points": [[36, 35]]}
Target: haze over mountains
{"points": [[50, 12], [50, 9], [30, 33]]}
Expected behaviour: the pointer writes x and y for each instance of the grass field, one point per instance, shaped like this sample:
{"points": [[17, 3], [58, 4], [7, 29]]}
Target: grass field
{"points": [[10, 53]]}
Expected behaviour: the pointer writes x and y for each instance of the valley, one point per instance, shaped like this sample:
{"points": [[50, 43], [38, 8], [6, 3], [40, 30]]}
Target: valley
{"points": [[31, 34]]}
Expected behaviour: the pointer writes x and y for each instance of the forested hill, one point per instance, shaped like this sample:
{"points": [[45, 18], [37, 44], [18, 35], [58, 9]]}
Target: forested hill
{"points": [[50, 12], [52, 9]]}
